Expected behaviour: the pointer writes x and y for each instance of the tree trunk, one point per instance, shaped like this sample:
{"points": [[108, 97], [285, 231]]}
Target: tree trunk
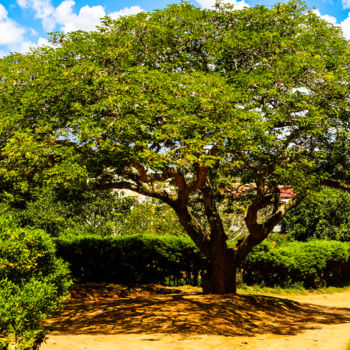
{"points": [[221, 275]]}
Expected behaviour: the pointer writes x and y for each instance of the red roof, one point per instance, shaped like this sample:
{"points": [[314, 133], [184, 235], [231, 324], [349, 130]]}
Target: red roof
{"points": [[286, 192], [238, 189]]}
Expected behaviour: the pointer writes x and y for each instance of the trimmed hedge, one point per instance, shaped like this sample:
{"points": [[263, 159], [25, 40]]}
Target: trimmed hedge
{"points": [[133, 259], [175, 260], [313, 264]]}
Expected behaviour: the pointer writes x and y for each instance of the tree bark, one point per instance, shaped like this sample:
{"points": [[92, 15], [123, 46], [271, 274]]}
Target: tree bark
{"points": [[221, 274]]}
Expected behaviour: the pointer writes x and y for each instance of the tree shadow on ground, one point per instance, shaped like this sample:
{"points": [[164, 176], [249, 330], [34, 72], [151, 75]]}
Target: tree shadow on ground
{"points": [[169, 311]]}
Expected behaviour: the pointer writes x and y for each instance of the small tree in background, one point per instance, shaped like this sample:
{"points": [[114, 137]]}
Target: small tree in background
{"points": [[323, 215], [60, 211], [151, 217], [180, 103]]}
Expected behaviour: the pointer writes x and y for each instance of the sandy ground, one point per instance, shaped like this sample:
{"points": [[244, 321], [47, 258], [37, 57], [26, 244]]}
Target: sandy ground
{"points": [[158, 318]]}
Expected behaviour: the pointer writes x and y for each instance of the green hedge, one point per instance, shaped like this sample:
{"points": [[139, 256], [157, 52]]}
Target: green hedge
{"points": [[312, 264], [132, 259], [175, 260]]}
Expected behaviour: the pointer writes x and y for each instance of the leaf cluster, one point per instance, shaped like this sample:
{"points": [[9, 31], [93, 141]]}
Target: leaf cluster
{"points": [[33, 283], [323, 215]]}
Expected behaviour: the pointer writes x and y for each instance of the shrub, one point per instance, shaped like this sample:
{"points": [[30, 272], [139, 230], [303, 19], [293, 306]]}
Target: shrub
{"points": [[132, 259], [313, 264], [175, 260], [33, 281]]}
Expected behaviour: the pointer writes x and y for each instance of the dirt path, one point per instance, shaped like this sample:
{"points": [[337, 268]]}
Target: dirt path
{"points": [[183, 319]]}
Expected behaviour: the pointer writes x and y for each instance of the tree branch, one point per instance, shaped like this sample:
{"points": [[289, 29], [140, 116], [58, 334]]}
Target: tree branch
{"points": [[252, 213], [142, 188], [193, 229], [258, 232], [279, 214], [201, 175], [211, 211], [335, 184], [141, 171]]}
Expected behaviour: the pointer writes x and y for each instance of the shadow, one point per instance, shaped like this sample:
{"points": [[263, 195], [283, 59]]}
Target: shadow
{"points": [[190, 313]]}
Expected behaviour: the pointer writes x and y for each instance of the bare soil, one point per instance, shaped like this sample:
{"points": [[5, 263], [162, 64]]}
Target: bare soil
{"points": [[106, 317]]}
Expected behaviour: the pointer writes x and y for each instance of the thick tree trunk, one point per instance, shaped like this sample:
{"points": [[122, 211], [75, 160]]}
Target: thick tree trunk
{"points": [[221, 275]]}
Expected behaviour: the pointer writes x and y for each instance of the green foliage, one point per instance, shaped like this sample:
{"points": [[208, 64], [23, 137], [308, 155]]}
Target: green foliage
{"points": [[72, 211], [323, 215], [96, 212], [313, 264], [32, 284], [43, 212], [63, 212], [151, 218], [177, 105], [162, 89], [132, 259]]}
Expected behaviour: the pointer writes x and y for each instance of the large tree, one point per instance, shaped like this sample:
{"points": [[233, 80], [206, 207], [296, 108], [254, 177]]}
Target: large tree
{"points": [[181, 103]]}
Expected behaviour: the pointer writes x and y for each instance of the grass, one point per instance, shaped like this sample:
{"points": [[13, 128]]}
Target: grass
{"points": [[295, 290], [348, 346]]}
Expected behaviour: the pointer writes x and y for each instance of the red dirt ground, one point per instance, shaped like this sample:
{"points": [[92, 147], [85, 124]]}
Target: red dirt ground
{"points": [[106, 317]]}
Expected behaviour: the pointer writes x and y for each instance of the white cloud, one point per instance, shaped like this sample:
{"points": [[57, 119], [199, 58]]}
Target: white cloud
{"points": [[43, 42], [237, 5], [327, 18], [43, 10], [15, 38], [10, 31], [87, 18], [127, 11], [346, 27], [346, 4], [26, 45], [3, 13], [22, 3]]}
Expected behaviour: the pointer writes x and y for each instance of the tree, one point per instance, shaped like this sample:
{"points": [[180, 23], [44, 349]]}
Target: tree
{"points": [[323, 215], [179, 104], [61, 211]]}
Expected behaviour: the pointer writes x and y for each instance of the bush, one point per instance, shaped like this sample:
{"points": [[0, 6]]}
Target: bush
{"points": [[175, 260], [132, 259], [33, 281], [312, 264]]}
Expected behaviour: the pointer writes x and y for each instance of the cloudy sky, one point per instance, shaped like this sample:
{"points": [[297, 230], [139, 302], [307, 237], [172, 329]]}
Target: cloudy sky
{"points": [[25, 23]]}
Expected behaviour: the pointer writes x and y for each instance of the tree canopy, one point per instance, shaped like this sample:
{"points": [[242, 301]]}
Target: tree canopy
{"points": [[181, 103]]}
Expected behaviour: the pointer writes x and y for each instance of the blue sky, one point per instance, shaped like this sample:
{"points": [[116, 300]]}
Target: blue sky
{"points": [[25, 23]]}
